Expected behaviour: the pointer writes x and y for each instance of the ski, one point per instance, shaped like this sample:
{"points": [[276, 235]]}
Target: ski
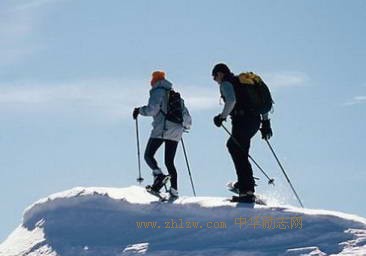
{"points": [[156, 194], [236, 199], [255, 200], [171, 199], [161, 196]]}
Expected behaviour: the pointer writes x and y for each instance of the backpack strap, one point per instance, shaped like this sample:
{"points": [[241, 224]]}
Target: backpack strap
{"points": [[167, 97], [167, 92]]}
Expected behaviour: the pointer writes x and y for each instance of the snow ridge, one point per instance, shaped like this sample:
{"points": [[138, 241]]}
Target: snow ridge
{"points": [[129, 221]]}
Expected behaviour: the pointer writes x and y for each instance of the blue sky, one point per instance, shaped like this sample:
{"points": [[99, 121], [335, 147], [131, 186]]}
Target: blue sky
{"points": [[72, 71]]}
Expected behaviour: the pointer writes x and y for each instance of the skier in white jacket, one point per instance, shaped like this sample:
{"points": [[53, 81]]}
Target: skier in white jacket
{"points": [[164, 131]]}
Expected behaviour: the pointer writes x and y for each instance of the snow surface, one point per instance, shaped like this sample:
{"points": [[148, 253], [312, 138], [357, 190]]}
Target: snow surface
{"points": [[103, 221]]}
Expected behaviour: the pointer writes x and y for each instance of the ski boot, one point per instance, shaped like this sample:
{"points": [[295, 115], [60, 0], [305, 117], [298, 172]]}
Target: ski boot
{"points": [[159, 181], [233, 187], [173, 194]]}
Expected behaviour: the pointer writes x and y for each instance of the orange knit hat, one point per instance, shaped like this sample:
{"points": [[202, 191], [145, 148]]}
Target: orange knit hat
{"points": [[157, 76]]}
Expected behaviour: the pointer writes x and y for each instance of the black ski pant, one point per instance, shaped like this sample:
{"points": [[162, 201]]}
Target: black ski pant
{"points": [[243, 129], [170, 150]]}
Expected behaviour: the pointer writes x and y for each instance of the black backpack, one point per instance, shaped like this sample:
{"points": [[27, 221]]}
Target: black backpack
{"points": [[253, 94], [174, 107]]}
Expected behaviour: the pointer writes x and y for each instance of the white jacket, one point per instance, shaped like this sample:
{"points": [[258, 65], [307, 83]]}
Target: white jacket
{"points": [[164, 129]]}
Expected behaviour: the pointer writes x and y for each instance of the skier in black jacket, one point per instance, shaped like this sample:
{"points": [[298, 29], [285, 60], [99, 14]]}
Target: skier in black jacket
{"points": [[245, 125]]}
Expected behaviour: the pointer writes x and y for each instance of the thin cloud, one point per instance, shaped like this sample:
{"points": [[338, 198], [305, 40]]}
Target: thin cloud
{"points": [[83, 92], [26, 5], [108, 96], [200, 97], [112, 95], [286, 79], [355, 101]]}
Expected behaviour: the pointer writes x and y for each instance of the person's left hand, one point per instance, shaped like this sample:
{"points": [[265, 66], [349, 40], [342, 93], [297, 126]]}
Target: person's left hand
{"points": [[266, 129]]}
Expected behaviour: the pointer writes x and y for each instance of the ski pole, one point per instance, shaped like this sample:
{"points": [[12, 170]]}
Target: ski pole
{"points": [[287, 178], [189, 170], [139, 179], [270, 180]]}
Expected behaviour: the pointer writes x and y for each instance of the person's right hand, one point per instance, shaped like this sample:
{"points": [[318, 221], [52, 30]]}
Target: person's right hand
{"points": [[135, 113], [218, 120]]}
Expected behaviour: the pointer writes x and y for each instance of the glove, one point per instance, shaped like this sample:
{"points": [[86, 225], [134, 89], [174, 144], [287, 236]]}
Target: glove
{"points": [[135, 113], [266, 129], [186, 128], [218, 120]]}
